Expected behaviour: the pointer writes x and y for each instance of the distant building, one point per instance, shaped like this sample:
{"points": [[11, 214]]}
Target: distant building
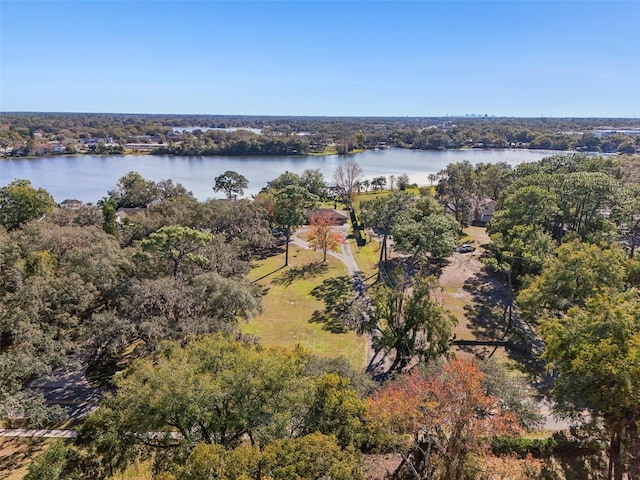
{"points": [[71, 204], [606, 131], [337, 217], [123, 213], [484, 211]]}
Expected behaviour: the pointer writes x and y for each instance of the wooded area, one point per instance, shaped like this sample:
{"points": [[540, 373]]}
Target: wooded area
{"points": [[150, 305], [23, 134]]}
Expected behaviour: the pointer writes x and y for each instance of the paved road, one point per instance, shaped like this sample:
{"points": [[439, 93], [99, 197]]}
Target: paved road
{"points": [[346, 256]]}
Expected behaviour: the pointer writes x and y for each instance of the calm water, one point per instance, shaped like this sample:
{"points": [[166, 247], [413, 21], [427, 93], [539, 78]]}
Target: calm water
{"points": [[89, 178]]}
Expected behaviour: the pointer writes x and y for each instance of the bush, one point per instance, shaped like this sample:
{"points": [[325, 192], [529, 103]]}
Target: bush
{"points": [[522, 446]]}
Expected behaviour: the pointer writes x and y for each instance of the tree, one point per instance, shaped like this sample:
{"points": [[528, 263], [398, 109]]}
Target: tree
{"points": [[286, 179], [63, 462], [588, 142], [310, 457], [322, 234], [563, 194], [52, 278], [406, 321], [447, 414], [382, 213], [521, 250], [492, 178], [583, 197], [428, 240], [178, 245], [291, 203], [151, 311], [215, 390], [456, 189], [109, 224], [530, 205], [133, 190], [20, 203], [378, 183], [243, 223], [628, 147], [516, 395], [313, 180], [347, 175], [168, 191], [571, 278], [232, 183], [595, 351], [402, 182]]}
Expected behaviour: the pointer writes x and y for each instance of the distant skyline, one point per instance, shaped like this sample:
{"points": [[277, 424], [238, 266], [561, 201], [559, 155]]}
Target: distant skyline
{"points": [[334, 58]]}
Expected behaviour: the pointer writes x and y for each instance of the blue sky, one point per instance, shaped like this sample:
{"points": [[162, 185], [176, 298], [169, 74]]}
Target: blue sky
{"points": [[420, 58]]}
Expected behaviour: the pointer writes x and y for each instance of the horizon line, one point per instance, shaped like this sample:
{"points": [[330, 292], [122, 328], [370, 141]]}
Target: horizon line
{"points": [[255, 115]]}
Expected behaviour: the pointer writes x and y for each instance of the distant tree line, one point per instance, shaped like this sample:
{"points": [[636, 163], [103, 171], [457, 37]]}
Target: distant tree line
{"points": [[21, 133], [240, 142]]}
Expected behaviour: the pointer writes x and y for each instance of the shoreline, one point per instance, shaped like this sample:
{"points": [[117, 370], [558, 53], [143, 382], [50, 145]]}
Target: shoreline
{"points": [[312, 154], [89, 177]]}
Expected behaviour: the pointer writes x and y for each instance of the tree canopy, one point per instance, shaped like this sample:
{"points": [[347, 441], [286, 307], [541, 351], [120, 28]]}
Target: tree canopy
{"points": [[446, 414], [219, 391], [347, 175], [407, 324], [595, 351], [290, 205], [20, 202], [231, 183]]}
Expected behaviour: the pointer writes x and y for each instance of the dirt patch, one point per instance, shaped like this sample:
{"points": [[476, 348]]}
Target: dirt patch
{"points": [[475, 297], [379, 467]]}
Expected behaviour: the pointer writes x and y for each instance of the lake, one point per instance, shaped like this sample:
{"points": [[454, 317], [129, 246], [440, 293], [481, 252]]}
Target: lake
{"points": [[90, 177]]}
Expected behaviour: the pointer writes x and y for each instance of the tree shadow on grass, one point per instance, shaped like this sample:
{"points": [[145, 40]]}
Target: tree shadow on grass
{"points": [[269, 251], [297, 273], [23, 450], [267, 274], [338, 297]]}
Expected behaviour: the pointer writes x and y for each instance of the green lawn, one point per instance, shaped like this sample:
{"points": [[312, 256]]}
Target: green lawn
{"points": [[367, 256], [370, 195], [289, 306]]}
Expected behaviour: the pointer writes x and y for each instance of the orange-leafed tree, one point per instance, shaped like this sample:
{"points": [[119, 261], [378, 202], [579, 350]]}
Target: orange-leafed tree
{"points": [[446, 414], [322, 234]]}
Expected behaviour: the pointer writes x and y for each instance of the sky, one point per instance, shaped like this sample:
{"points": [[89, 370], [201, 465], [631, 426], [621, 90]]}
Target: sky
{"points": [[334, 58]]}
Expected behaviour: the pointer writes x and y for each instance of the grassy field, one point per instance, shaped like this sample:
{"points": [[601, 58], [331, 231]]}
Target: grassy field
{"points": [[363, 196], [367, 256], [332, 150], [289, 306]]}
